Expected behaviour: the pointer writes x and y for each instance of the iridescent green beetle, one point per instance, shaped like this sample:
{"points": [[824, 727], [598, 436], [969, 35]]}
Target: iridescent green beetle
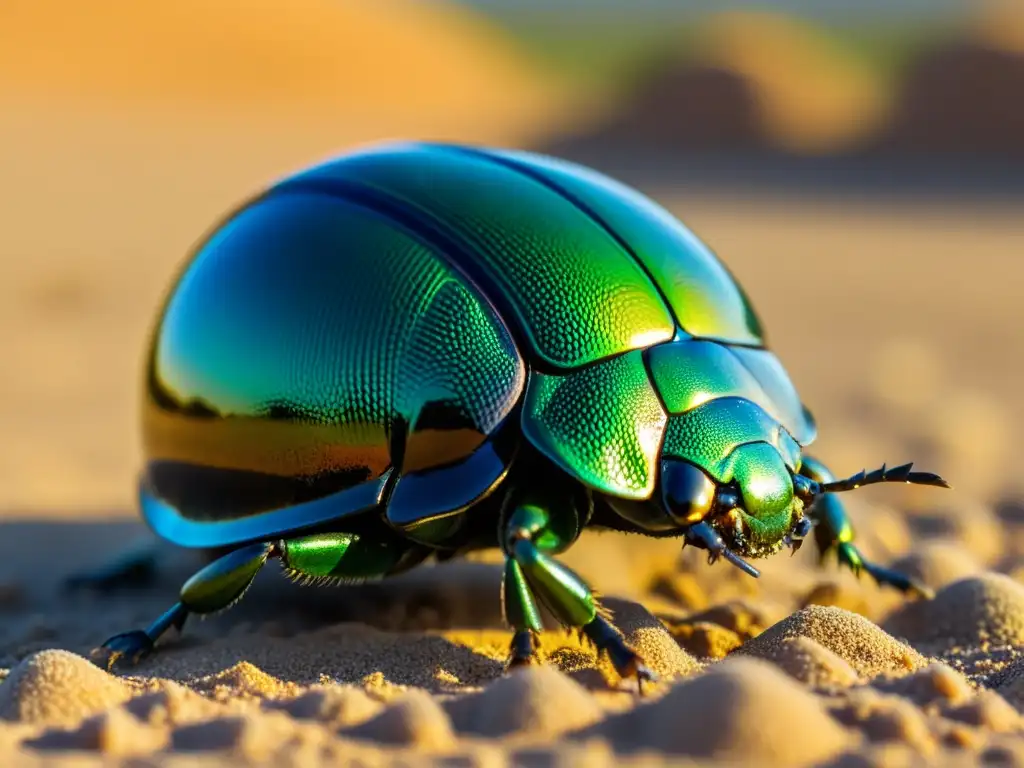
{"points": [[417, 350]]}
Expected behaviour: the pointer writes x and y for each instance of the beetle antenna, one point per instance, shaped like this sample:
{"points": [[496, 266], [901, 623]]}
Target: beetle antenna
{"points": [[901, 474]]}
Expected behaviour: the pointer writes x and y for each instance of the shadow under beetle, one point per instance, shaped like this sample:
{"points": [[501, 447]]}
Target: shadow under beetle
{"points": [[418, 350]]}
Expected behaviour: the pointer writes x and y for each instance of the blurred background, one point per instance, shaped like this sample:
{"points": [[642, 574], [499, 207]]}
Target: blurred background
{"points": [[858, 164]]}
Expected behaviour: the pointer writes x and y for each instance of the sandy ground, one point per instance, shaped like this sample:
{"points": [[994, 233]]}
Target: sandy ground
{"points": [[901, 325]]}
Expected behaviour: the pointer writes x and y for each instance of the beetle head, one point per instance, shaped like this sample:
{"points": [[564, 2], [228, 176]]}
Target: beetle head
{"points": [[753, 513], [762, 507]]}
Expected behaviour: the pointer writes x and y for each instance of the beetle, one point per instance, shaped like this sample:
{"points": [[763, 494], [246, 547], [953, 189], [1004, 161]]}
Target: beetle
{"points": [[415, 350]]}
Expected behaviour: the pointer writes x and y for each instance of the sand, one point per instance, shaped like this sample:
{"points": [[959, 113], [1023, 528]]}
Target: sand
{"points": [[290, 675]]}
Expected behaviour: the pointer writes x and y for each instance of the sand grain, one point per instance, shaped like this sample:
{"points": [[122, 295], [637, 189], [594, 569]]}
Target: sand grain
{"points": [[985, 609]]}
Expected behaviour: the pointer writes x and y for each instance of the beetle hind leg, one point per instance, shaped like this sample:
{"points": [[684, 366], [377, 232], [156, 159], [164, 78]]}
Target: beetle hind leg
{"points": [[319, 558], [134, 568]]}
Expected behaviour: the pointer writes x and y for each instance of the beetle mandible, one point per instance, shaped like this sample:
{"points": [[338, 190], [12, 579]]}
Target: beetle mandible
{"points": [[415, 350]]}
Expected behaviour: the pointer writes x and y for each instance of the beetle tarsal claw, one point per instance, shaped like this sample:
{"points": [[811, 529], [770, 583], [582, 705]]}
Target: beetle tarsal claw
{"points": [[795, 538]]}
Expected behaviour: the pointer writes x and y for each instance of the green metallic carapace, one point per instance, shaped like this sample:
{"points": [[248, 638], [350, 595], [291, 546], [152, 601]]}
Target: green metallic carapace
{"points": [[417, 350]]}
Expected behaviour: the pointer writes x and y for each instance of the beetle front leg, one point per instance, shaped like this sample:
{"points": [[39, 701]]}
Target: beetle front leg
{"points": [[833, 531], [530, 533], [214, 588]]}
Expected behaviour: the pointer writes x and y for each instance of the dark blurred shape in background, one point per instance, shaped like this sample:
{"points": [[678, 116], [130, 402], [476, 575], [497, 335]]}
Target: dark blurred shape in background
{"points": [[966, 94], [857, 104], [750, 81]]}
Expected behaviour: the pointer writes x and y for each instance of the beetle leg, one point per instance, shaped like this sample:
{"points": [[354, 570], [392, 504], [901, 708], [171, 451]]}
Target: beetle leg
{"points": [[521, 613], [529, 531], [217, 586], [833, 531], [133, 568], [344, 557]]}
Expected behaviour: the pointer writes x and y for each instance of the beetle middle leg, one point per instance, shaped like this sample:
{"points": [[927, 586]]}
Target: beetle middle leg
{"points": [[521, 613], [833, 531], [530, 535], [324, 557]]}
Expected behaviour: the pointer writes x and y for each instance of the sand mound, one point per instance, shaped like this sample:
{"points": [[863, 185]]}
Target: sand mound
{"points": [[743, 617], [340, 705], [987, 710], [258, 736], [890, 719], [115, 733], [414, 719], [705, 640], [865, 647], [438, 64], [242, 679], [741, 710], [717, 631], [938, 563], [812, 663], [172, 704], [537, 700], [986, 609], [58, 688], [757, 80], [935, 684]]}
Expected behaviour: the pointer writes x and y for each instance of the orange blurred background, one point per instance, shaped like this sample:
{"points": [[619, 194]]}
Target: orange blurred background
{"points": [[862, 175]]}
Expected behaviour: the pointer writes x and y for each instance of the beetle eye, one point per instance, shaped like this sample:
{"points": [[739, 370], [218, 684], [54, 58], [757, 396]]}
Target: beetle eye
{"points": [[687, 492]]}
